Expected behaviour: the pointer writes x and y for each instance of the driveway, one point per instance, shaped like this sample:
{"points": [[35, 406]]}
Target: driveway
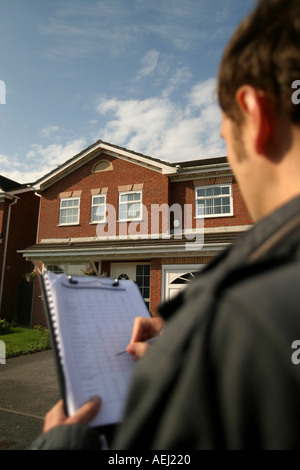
{"points": [[28, 389]]}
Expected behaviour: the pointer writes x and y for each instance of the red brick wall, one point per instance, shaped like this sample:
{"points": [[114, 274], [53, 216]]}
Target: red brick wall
{"points": [[22, 233], [2, 230], [155, 285], [1, 215], [156, 275], [38, 316], [184, 193], [155, 191]]}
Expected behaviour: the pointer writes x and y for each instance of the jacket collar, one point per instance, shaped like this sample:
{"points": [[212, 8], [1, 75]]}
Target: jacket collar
{"points": [[266, 236]]}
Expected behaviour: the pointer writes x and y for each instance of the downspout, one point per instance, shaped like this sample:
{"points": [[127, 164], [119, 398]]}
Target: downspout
{"points": [[5, 249]]}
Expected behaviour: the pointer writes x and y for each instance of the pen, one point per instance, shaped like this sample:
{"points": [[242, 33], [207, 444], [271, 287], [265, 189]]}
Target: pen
{"points": [[149, 341]]}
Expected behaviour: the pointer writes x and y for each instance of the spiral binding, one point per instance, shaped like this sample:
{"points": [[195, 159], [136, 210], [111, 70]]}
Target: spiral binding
{"points": [[52, 318]]}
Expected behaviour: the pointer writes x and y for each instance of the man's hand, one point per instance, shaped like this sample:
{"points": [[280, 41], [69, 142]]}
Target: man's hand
{"points": [[56, 416], [143, 329]]}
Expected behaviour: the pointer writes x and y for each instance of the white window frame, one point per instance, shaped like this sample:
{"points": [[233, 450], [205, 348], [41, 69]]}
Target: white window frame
{"points": [[75, 198], [98, 205], [130, 219], [199, 198]]}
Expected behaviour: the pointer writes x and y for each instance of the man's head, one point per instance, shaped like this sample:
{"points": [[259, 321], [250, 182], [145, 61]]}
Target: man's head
{"points": [[264, 52], [261, 124]]}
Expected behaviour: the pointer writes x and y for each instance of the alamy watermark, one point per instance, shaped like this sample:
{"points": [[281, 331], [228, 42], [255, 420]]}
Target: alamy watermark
{"points": [[156, 224], [2, 352], [296, 354], [296, 94], [2, 92]]}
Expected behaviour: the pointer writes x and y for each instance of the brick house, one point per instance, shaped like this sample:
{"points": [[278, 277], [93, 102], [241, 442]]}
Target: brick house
{"points": [[19, 207], [126, 215]]}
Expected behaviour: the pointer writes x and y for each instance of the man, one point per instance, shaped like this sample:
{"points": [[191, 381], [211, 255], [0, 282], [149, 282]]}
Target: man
{"points": [[221, 375]]}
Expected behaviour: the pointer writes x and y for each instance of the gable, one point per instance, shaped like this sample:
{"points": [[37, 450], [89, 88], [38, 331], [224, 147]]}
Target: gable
{"points": [[7, 184], [102, 150], [101, 173]]}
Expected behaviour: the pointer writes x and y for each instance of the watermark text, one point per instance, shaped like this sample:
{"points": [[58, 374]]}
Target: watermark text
{"points": [[2, 352], [296, 94], [2, 92], [161, 221]]}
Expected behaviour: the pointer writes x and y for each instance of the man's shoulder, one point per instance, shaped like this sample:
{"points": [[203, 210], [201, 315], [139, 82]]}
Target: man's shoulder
{"points": [[263, 306], [267, 284]]}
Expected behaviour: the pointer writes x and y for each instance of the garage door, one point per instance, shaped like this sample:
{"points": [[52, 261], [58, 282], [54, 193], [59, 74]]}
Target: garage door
{"points": [[176, 278]]}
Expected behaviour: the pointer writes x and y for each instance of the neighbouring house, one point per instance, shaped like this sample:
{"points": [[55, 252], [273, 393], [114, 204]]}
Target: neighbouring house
{"points": [[110, 211], [19, 206]]}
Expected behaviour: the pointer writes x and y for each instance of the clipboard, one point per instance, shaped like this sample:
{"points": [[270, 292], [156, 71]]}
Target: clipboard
{"points": [[91, 320]]}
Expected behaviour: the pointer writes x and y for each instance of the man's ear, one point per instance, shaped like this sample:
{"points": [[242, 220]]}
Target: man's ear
{"points": [[258, 112]]}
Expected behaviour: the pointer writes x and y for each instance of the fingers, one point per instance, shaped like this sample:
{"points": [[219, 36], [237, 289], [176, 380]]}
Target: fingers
{"points": [[56, 416], [86, 413], [145, 328], [140, 329], [137, 350]]}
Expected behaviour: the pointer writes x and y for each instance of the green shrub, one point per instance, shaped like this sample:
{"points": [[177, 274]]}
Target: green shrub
{"points": [[4, 327], [20, 341], [45, 336]]}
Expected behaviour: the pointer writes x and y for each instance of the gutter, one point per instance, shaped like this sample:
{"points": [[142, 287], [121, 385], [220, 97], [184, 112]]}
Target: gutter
{"points": [[5, 249], [117, 252]]}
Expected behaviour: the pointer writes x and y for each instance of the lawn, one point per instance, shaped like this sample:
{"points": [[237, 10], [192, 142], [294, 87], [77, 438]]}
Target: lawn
{"points": [[21, 341]]}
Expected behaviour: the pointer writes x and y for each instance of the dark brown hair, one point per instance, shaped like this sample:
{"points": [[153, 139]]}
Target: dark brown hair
{"points": [[264, 52]]}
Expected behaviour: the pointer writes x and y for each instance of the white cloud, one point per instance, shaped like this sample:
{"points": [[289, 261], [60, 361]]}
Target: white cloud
{"points": [[48, 131], [55, 154], [149, 64], [160, 128], [40, 160], [202, 94], [180, 77]]}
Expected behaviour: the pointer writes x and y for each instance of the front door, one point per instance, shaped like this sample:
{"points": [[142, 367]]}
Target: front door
{"points": [[123, 271], [140, 273]]}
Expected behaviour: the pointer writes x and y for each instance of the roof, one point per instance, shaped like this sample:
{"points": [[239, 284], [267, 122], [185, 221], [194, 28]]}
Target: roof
{"points": [[96, 149], [203, 162], [7, 184], [140, 247], [171, 169]]}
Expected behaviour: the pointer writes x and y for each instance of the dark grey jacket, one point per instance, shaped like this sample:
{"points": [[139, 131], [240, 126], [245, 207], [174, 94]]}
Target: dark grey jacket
{"points": [[221, 376]]}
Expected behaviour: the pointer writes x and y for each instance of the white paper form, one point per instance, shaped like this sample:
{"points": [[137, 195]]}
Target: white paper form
{"points": [[95, 321]]}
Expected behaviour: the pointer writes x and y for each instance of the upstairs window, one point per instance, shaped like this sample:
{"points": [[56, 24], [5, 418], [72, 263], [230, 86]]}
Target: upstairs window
{"points": [[130, 206], [214, 201], [98, 210], [102, 165], [69, 211]]}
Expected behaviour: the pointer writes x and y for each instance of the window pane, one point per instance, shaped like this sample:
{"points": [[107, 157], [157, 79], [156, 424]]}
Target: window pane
{"points": [[130, 197], [139, 270], [226, 204], [217, 191], [225, 190], [143, 281], [68, 216], [98, 213], [98, 200], [55, 269], [208, 206], [209, 192], [69, 203], [123, 211], [134, 210], [147, 270], [124, 197], [210, 200]]}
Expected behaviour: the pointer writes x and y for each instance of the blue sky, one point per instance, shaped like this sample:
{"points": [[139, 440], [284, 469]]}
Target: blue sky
{"points": [[135, 73]]}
